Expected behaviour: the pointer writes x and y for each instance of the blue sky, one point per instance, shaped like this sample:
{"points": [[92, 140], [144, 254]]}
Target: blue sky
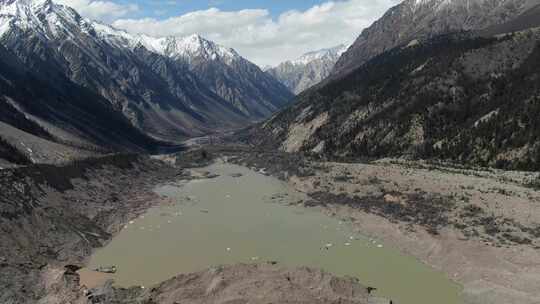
{"points": [[265, 32], [169, 8]]}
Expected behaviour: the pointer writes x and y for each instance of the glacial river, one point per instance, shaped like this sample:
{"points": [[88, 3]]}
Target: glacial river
{"points": [[246, 219]]}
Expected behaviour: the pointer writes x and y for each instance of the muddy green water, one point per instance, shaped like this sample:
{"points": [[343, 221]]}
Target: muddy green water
{"points": [[227, 220]]}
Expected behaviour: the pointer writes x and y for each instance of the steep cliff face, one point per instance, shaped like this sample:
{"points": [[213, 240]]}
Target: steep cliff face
{"points": [[308, 70], [420, 19], [54, 120]]}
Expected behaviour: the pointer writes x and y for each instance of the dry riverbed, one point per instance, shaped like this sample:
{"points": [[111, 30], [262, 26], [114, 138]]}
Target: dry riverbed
{"points": [[482, 228]]}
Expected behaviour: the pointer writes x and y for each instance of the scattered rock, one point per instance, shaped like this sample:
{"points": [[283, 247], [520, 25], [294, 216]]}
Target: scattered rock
{"points": [[106, 269], [389, 198]]}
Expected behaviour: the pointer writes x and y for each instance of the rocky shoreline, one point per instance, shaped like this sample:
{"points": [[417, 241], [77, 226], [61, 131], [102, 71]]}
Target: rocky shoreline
{"points": [[53, 218], [482, 228]]}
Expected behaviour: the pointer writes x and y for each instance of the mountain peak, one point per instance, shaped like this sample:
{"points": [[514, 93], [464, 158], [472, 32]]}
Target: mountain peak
{"points": [[329, 53], [49, 20], [420, 19], [195, 38], [177, 47], [40, 16], [197, 46], [308, 70], [26, 2], [18, 7]]}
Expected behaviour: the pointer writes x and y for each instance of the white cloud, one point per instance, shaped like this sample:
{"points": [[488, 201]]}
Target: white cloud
{"points": [[100, 10], [264, 40]]}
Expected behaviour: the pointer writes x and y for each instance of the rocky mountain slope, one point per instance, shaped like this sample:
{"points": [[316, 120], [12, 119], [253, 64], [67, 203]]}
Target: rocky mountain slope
{"points": [[308, 70], [143, 78], [221, 69], [229, 75], [420, 19], [462, 97], [53, 119], [529, 19]]}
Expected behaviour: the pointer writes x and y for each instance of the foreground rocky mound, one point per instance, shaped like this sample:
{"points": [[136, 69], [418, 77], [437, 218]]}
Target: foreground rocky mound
{"points": [[254, 284]]}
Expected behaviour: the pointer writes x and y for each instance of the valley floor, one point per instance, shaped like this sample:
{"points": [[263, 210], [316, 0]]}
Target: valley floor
{"points": [[482, 228]]}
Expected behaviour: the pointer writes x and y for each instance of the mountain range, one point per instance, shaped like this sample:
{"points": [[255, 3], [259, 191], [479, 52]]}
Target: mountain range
{"points": [[308, 70], [445, 79], [164, 88], [470, 96]]}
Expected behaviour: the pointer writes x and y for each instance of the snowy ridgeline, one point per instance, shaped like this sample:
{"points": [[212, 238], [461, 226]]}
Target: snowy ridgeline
{"points": [[52, 20]]}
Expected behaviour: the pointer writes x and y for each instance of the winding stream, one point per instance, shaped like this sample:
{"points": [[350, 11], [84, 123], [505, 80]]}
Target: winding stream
{"points": [[227, 219]]}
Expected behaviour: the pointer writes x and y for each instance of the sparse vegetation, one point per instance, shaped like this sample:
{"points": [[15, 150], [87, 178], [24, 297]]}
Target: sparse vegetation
{"points": [[453, 109], [430, 211]]}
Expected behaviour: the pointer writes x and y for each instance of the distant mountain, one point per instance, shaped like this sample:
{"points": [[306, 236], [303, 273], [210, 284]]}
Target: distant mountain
{"points": [[308, 70], [223, 70], [468, 97], [229, 75], [169, 88], [420, 19]]}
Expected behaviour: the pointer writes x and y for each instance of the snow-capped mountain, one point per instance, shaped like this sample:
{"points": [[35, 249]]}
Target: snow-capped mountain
{"points": [[157, 83], [422, 19], [222, 69], [190, 47], [323, 54], [25, 14], [308, 70], [226, 73], [185, 48]]}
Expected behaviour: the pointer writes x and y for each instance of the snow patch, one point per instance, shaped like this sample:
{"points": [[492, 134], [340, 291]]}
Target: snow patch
{"points": [[319, 148], [331, 53], [486, 117], [413, 42], [4, 25], [420, 68]]}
